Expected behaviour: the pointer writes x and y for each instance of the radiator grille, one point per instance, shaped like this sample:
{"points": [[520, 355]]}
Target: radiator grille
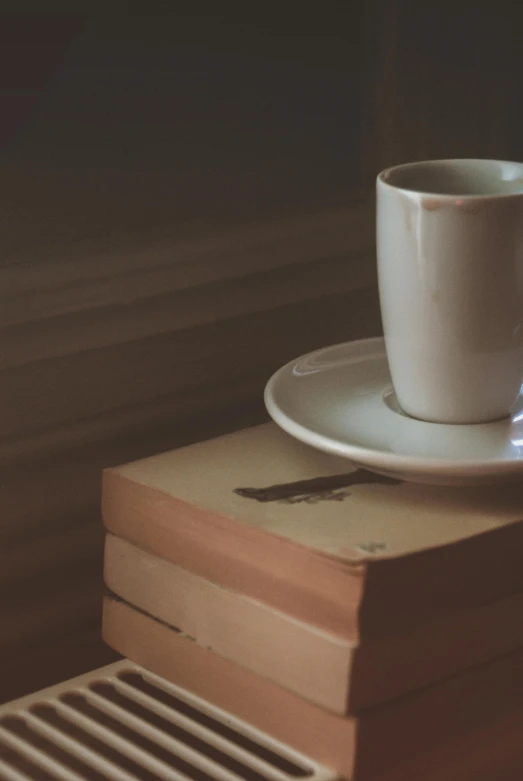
{"points": [[123, 723]]}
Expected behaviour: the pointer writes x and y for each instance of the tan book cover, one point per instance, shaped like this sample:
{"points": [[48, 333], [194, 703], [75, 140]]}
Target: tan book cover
{"points": [[339, 547], [380, 743], [327, 669]]}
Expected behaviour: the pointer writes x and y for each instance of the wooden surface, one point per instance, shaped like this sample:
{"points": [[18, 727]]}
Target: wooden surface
{"points": [[185, 204]]}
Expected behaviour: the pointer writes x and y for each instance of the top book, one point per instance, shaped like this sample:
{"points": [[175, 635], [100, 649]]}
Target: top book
{"points": [[310, 534]]}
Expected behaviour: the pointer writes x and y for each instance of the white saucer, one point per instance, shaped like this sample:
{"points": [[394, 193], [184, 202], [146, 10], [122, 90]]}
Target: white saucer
{"points": [[340, 400]]}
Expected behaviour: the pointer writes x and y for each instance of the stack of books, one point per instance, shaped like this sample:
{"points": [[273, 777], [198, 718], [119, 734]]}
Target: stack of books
{"points": [[373, 624]]}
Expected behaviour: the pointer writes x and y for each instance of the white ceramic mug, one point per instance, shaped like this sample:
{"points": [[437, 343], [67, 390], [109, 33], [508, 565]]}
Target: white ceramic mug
{"points": [[450, 270]]}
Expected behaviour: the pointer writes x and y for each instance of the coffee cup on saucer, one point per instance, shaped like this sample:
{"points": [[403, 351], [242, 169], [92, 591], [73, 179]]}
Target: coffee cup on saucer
{"points": [[450, 270]]}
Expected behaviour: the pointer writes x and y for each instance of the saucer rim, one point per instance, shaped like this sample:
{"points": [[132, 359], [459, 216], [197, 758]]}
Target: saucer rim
{"points": [[386, 460]]}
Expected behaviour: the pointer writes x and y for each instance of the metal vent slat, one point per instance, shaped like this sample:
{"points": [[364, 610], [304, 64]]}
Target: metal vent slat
{"points": [[9, 773], [52, 765], [205, 733], [306, 764], [121, 744], [120, 730], [77, 749], [170, 743]]}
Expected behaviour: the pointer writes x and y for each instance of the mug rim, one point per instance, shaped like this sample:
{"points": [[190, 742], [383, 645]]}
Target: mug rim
{"points": [[382, 178]]}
